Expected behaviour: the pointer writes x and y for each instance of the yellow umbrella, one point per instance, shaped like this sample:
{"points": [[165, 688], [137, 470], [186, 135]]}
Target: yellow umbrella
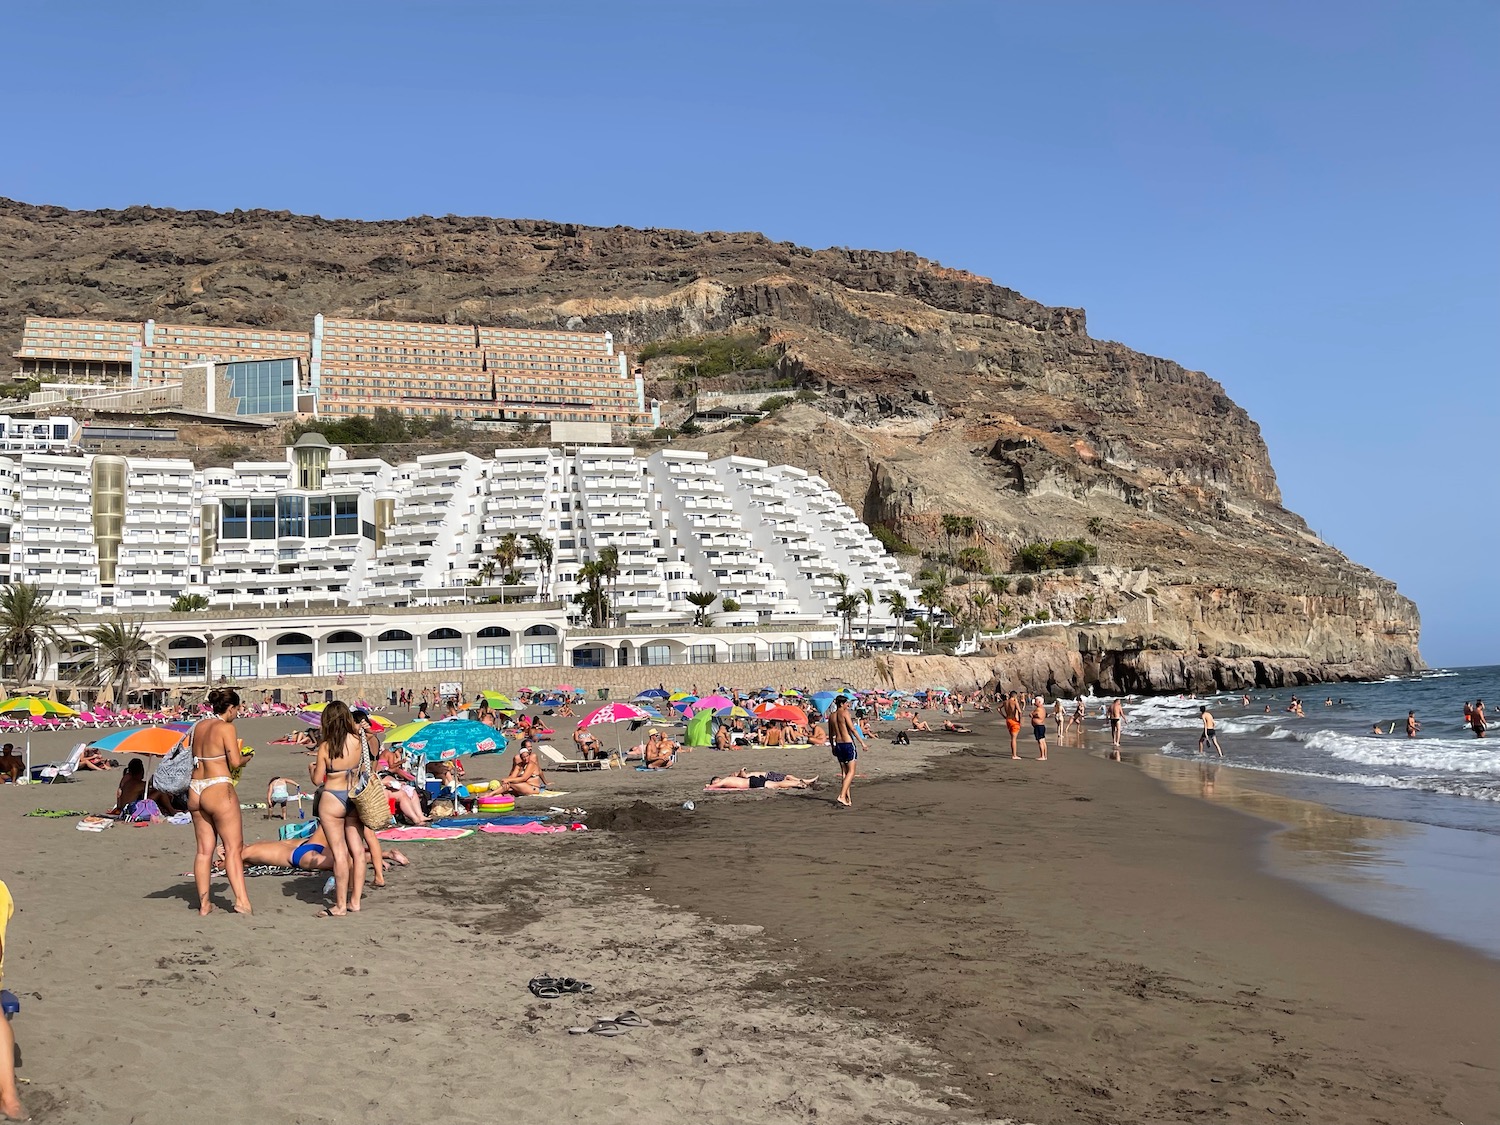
{"points": [[403, 732], [31, 705]]}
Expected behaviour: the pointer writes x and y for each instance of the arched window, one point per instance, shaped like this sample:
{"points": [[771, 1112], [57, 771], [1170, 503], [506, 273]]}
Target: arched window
{"points": [[294, 639], [394, 635], [239, 640], [185, 642], [541, 631], [493, 631], [444, 635], [345, 637]]}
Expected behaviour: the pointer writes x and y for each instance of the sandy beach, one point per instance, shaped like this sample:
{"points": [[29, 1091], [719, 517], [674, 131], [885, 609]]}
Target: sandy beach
{"points": [[978, 940]]}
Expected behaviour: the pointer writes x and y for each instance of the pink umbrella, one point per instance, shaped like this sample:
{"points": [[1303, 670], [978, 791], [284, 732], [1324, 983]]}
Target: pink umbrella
{"points": [[615, 713], [711, 703]]}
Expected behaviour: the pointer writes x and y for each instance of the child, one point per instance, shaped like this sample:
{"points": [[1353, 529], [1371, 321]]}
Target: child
{"points": [[10, 1098], [278, 793]]}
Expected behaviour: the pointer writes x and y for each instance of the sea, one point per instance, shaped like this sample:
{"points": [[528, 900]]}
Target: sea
{"points": [[1404, 828]]}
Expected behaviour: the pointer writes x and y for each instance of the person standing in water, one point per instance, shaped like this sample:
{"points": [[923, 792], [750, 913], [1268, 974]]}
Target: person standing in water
{"points": [[1116, 721], [1412, 726], [1210, 735], [1477, 722]]}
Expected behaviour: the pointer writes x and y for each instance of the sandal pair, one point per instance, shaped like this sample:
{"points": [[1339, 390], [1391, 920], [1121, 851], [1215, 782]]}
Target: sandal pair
{"points": [[550, 988], [622, 1023]]}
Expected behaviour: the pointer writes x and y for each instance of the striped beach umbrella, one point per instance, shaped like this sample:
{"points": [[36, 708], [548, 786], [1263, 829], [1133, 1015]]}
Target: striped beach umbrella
{"points": [[32, 705]]}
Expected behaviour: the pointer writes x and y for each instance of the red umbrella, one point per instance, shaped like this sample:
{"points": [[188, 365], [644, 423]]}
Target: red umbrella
{"points": [[780, 712]]}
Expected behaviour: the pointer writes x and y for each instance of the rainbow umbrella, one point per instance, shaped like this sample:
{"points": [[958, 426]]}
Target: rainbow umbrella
{"points": [[31, 705], [679, 696], [735, 712], [158, 741]]}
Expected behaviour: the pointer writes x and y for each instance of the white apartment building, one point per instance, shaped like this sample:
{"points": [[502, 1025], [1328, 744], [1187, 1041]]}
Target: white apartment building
{"points": [[318, 530]]}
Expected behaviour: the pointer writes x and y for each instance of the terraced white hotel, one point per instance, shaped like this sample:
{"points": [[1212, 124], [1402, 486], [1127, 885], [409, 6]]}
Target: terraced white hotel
{"points": [[320, 564]]}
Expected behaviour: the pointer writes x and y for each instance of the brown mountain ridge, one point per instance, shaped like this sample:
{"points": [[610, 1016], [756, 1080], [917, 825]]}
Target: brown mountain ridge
{"points": [[933, 391]]}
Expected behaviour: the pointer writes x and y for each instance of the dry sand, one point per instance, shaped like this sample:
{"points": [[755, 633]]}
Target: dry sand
{"points": [[1053, 942]]}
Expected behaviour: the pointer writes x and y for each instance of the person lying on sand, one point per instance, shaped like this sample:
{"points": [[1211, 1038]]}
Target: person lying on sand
{"points": [[955, 728], [760, 779], [309, 854]]}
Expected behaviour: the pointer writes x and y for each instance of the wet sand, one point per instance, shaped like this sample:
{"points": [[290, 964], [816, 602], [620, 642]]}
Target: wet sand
{"points": [[1051, 942]]}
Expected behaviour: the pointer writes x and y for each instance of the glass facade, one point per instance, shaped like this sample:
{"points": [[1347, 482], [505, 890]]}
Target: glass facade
{"points": [[264, 386]]}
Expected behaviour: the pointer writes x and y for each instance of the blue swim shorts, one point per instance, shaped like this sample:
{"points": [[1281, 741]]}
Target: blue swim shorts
{"points": [[844, 751]]}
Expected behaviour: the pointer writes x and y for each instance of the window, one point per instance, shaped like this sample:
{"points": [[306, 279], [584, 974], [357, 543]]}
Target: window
{"points": [[184, 642], [541, 654], [702, 654], [541, 631], [395, 660], [394, 635], [444, 635], [784, 650], [239, 667], [742, 654], [492, 631], [234, 519], [346, 515], [445, 657], [291, 516], [656, 654], [345, 637], [287, 639], [346, 661], [319, 517], [182, 666], [821, 650], [590, 657], [492, 656], [263, 519]]}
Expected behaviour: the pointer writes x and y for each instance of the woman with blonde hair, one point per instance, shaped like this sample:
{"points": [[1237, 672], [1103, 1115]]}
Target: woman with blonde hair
{"points": [[335, 771], [213, 801]]}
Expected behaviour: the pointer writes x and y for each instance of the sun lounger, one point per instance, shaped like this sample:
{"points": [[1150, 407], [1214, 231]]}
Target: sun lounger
{"points": [[65, 770], [555, 761]]}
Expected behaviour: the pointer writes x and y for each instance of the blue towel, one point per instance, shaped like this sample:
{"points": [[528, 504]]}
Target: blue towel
{"points": [[472, 821]]}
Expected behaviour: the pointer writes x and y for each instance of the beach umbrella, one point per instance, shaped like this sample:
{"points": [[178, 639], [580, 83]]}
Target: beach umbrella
{"points": [[31, 705], [781, 713], [378, 723], [679, 696], [457, 738], [653, 693], [734, 712], [398, 735], [564, 687], [498, 700], [616, 713], [711, 703], [158, 741], [823, 700], [700, 729]]}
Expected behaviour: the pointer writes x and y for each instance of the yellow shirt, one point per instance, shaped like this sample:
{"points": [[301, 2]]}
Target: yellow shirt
{"points": [[7, 908]]}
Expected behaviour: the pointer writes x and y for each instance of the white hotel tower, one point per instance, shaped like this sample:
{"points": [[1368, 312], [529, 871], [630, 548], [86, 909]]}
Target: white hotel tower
{"points": [[318, 532]]}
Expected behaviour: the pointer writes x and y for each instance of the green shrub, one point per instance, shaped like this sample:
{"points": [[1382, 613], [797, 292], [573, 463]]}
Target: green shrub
{"points": [[775, 403], [708, 356], [189, 603], [690, 428], [1055, 555], [1025, 586], [891, 540]]}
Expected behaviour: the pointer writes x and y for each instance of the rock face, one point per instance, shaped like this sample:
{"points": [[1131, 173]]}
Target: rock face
{"points": [[937, 392]]}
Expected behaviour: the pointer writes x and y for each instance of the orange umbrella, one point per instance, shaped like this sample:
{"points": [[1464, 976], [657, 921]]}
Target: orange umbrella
{"points": [[780, 712]]}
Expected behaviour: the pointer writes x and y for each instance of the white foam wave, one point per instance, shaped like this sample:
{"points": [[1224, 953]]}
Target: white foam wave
{"points": [[1449, 786], [1281, 732], [1446, 755]]}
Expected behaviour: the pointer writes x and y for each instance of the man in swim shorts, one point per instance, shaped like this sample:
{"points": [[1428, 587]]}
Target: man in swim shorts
{"points": [[843, 736], [1116, 721], [760, 779], [1012, 711], [1210, 735], [1039, 728]]}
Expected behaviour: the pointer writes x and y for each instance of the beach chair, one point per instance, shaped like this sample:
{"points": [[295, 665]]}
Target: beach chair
{"points": [[65, 770], [555, 761]]}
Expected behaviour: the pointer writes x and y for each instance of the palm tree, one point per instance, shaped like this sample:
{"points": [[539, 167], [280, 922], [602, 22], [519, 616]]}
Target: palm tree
{"points": [[28, 624], [868, 596], [592, 598], [701, 600], [952, 525], [931, 598], [507, 551], [189, 603], [540, 548], [981, 603], [846, 607], [608, 562], [121, 655], [486, 575], [895, 600]]}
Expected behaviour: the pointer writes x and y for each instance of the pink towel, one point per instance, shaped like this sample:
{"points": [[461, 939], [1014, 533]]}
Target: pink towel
{"points": [[423, 833], [531, 829]]}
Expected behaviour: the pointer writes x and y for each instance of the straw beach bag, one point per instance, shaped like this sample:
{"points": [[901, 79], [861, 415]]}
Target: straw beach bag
{"points": [[369, 795]]}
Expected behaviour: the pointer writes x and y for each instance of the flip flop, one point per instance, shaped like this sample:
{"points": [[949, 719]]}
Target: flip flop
{"points": [[602, 1027], [630, 1019], [568, 984]]}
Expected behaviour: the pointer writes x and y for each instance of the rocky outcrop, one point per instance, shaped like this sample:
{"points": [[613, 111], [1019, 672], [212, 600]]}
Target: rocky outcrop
{"points": [[935, 392]]}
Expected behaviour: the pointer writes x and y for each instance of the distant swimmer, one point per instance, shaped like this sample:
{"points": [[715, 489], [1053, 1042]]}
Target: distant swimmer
{"points": [[1477, 722], [1210, 735], [1377, 729], [1412, 726], [1245, 700]]}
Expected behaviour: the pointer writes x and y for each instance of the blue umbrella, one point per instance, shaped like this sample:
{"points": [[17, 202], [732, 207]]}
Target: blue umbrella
{"points": [[456, 738], [823, 700], [654, 693]]}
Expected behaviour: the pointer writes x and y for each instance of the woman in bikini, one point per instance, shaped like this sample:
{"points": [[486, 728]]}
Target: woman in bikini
{"points": [[335, 770], [213, 802]]}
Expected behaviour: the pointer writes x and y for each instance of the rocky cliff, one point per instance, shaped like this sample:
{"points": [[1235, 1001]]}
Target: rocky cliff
{"points": [[931, 391]]}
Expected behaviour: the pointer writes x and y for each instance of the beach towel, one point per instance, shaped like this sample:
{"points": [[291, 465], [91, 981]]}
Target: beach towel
{"points": [[57, 814], [428, 833], [297, 830], [532, 829], [478, 821], [95, 824], [728, 789]]}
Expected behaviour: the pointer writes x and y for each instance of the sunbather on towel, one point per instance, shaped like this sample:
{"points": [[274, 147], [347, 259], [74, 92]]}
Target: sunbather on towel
{"points": [[919, 724], [760, 779], [93, 760], [955, 728], [525, 778], [403, 800], [308, 854]]}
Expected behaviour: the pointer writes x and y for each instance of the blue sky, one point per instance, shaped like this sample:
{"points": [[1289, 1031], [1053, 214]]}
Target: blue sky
{"points": [[1298, 198]]}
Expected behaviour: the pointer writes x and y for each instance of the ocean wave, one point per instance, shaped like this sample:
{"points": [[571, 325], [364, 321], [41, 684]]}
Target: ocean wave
{"points": [[1452, 787], [1448, 755]]}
